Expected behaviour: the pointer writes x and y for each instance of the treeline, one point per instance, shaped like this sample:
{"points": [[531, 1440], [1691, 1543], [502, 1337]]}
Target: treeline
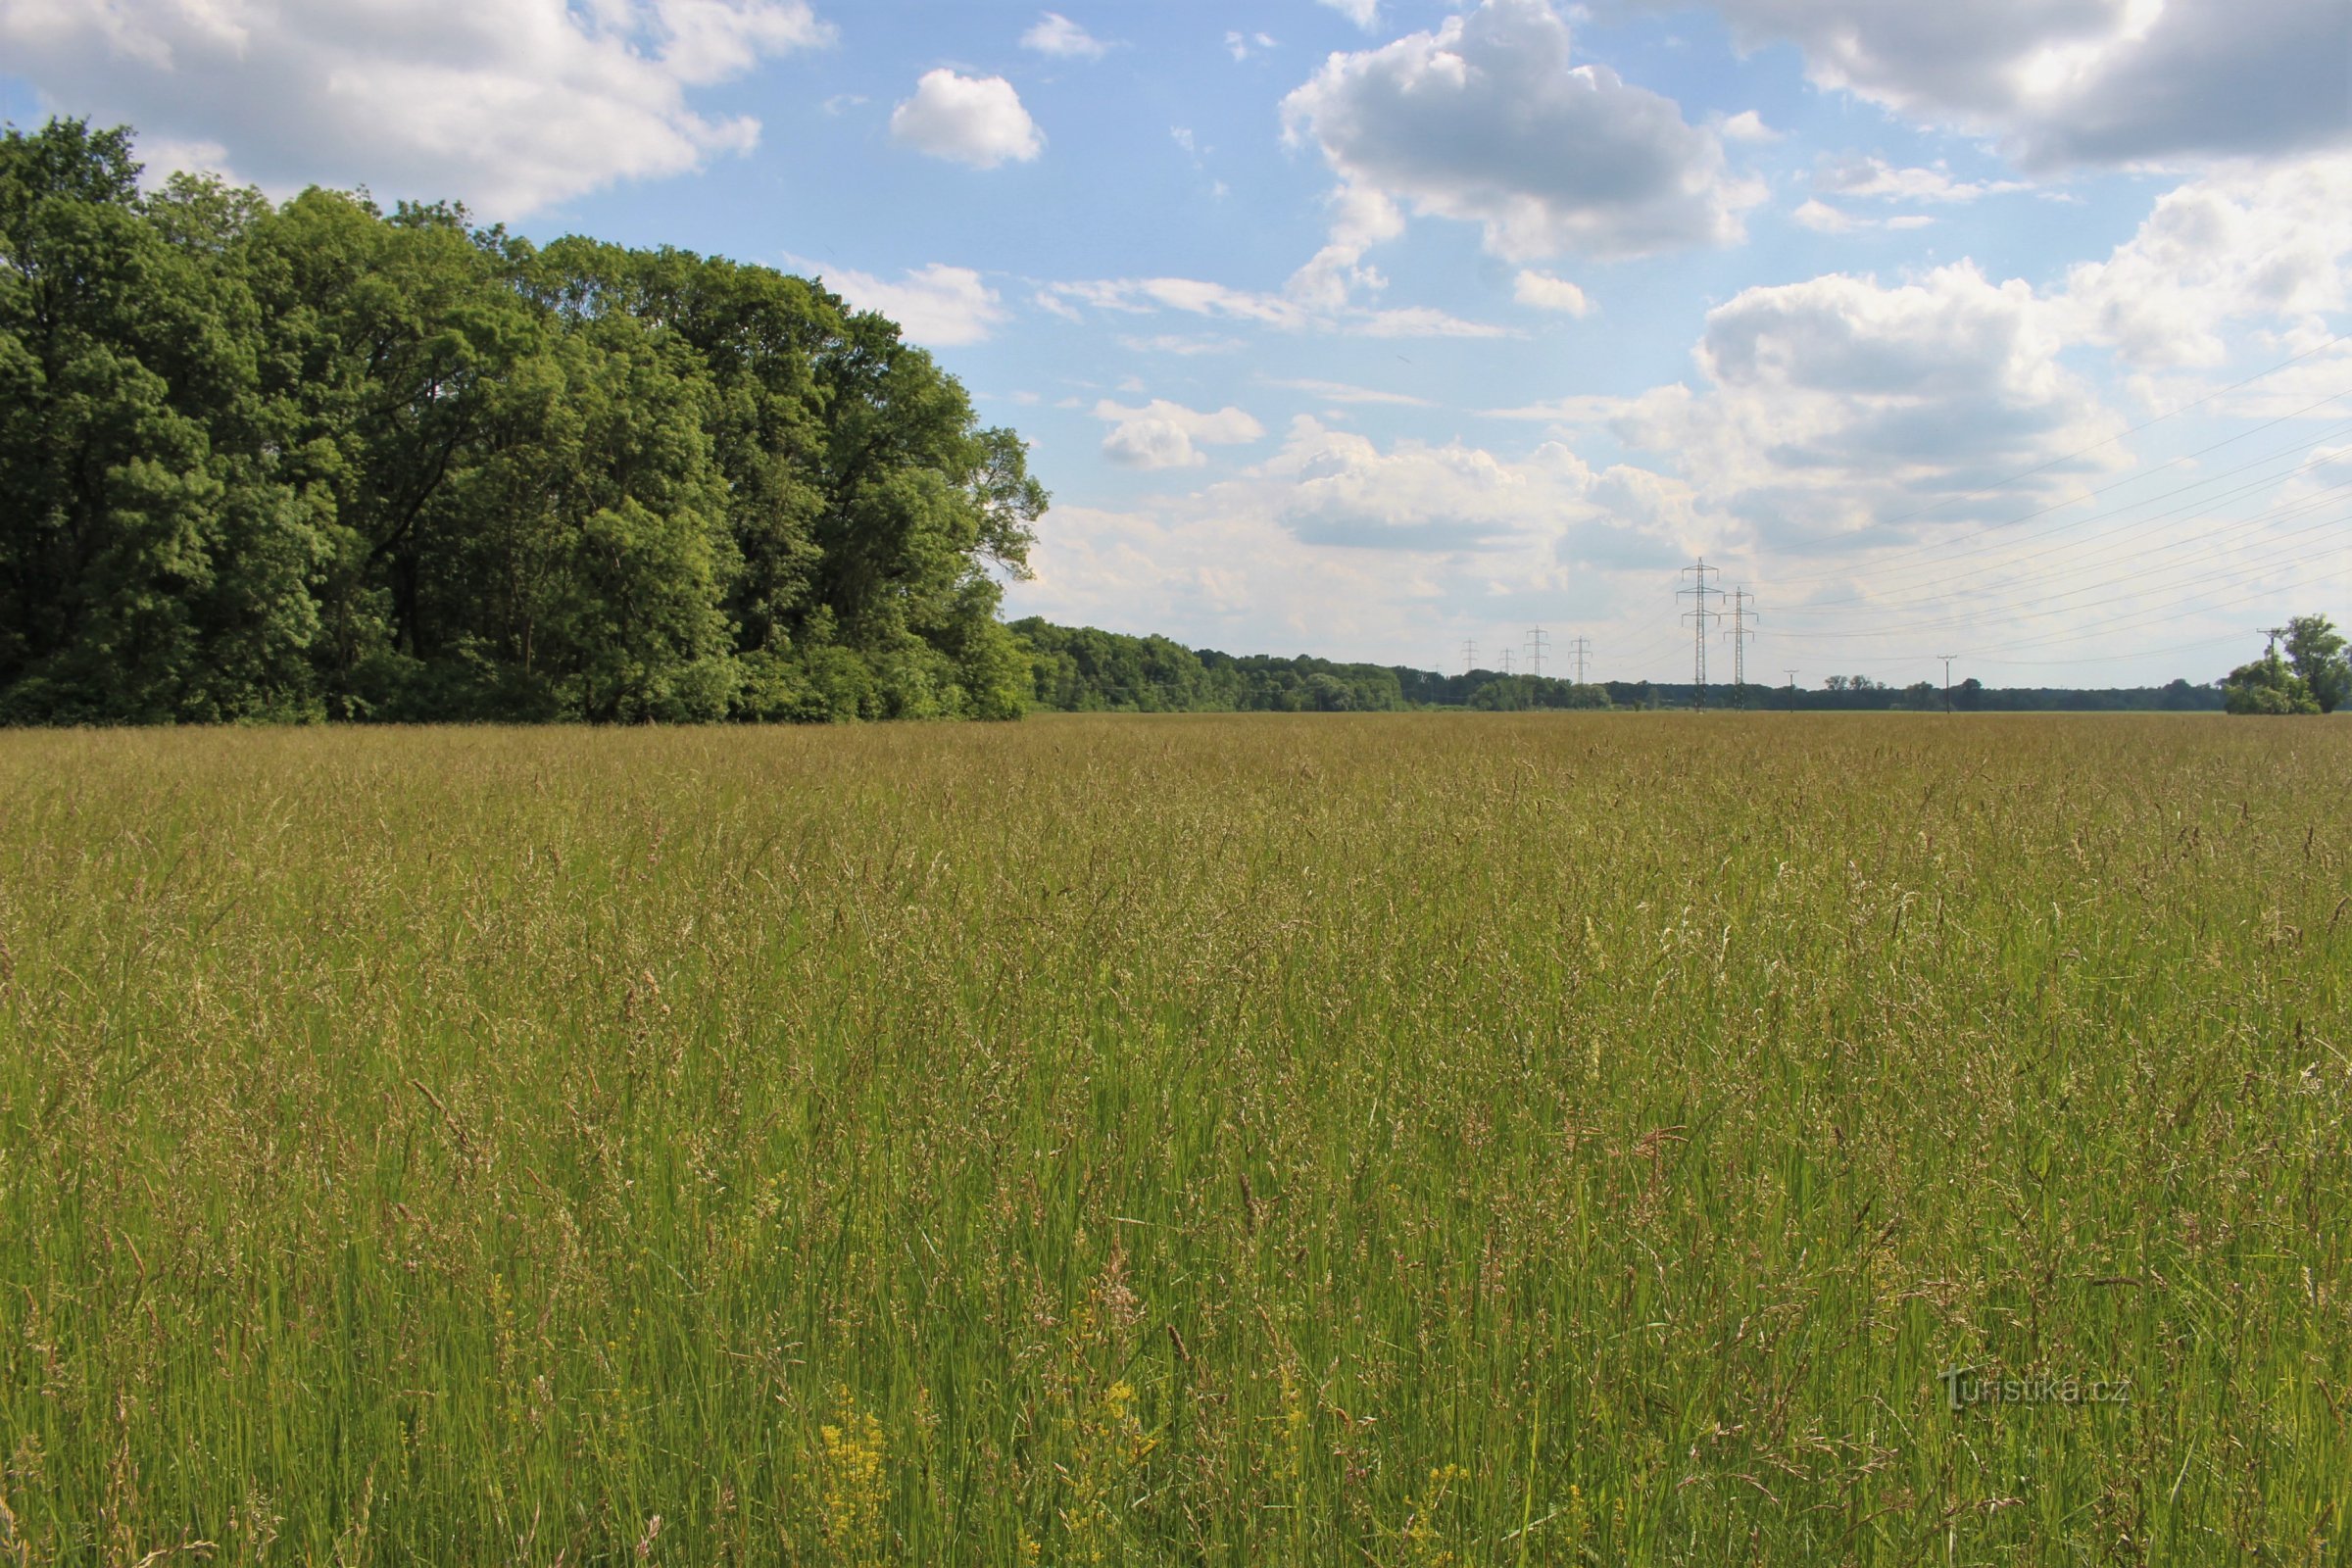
{"points": [[320, 460], [1972, 696], [1081, 670]]}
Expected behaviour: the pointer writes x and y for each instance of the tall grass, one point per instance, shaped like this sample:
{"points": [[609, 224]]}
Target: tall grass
{"points": [[1221, 1141]]}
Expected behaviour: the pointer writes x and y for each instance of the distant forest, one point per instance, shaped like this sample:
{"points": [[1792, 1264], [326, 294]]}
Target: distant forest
{"points": [[323, 462], [1085, 670]]}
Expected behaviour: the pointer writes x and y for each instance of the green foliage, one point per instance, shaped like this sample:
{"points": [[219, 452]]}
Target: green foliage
{"points": [[2316, 649], [317, 460], [1515, 694], [2313, 677], [1082, 670], [1213, 1142]]}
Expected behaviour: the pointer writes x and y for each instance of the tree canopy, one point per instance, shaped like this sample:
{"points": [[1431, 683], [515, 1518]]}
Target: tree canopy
{"points": [[2312, 678], [321, 460]]}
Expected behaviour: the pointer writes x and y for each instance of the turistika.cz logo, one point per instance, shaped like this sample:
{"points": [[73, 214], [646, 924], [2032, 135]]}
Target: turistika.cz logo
{"points": [[1963, 1386]]}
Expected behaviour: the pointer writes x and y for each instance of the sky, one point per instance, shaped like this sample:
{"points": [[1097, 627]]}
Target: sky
{"points": [[1375, 329]]}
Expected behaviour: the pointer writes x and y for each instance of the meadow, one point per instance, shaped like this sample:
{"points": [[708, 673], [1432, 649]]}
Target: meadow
{"points": [[1246, 1140]]}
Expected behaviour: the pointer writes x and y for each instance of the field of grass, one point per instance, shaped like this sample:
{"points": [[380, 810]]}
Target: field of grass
{"points": [[1414, 1140]]}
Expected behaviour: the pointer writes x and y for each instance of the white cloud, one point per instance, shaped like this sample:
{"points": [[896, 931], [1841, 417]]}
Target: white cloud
{"points": [[1167, 435], [1241, 45], [1057, 35], [1338, 488], [508, 105], [162, 157], [2245, 243], [1365, 13], [1815, 213], [1344, 392], [1180, 344], [2085, 81], [1488, 120], [1361, 217], [1348, 548], [1829, 405], [945, 306], [968, 120], [1342, 546], [1412, 320], [1142, 296], [1874, 177], [1584, 408], [1748, 125], [1549, 293]]}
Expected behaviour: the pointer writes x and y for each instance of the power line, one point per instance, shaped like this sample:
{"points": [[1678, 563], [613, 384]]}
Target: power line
{"points": [[2023, 608], [2194, 509], [1698, 617], [2039, 468], [1741, 616], [1579, 650], [2159, 614], [1537, 639]]}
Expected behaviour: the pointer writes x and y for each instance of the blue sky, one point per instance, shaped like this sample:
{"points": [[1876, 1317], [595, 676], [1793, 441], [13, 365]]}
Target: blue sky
{"points": [[1368, 329]]}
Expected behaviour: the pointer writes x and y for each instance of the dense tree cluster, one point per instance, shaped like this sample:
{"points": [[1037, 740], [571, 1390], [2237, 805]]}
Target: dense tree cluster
{"points": [[2314, 676], [1080, 669], [317, 460]]}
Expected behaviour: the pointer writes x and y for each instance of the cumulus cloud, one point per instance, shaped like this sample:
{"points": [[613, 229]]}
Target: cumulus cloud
{"points": [[945, 306], [1748, 125], [1829, 406], [967, 120], [2238, 245], [1489, 120], [508, 105], [1365, 13], [2085, 81], [1337, 488], [1355, 549], [1241, 45], [1057, 35], [1549, 293], [1361, 217], [1219, 579], [1168, 435]]}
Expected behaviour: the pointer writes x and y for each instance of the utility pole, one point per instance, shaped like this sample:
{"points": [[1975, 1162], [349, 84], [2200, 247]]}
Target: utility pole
{"points": [[1579, 650], [1741, 616], [1469, 657], [1698, 616], [1537, 641], [1792, 691], [1947, 680]]}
